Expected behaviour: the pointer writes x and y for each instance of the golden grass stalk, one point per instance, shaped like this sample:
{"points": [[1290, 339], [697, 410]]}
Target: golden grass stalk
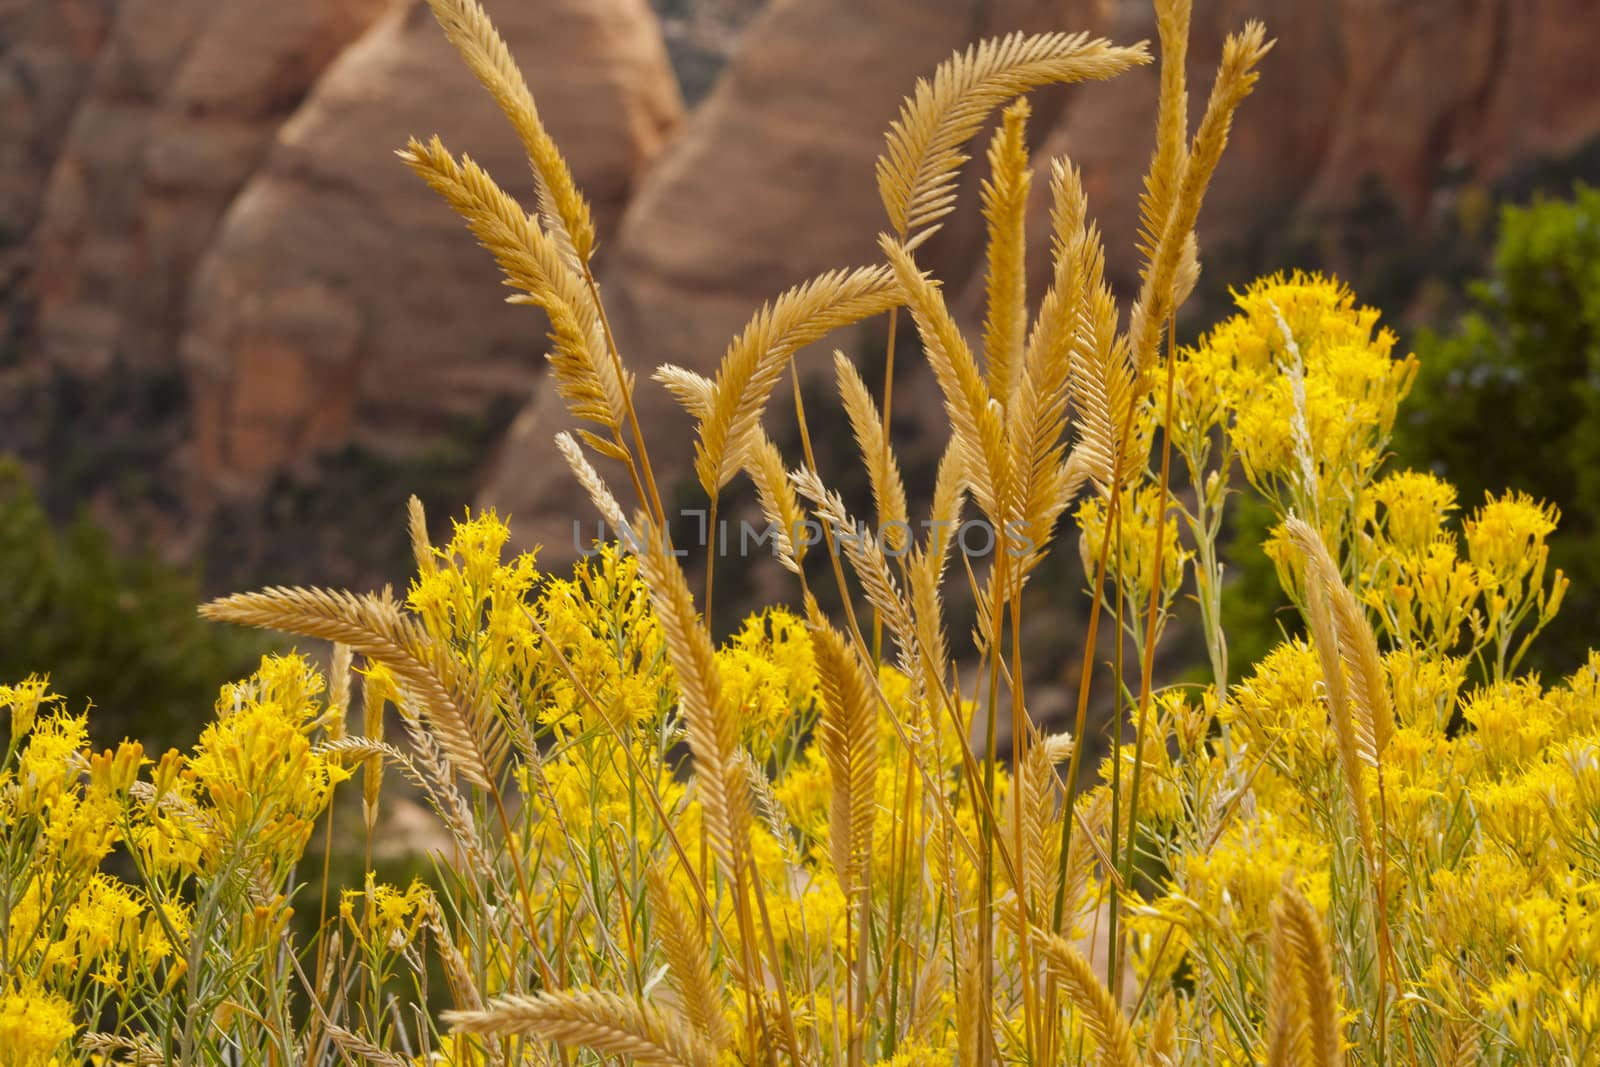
{"points": [[371, 752], [779, 505], [867, 558], [1301, 962], [763, 463], [883, 471], [417, 529], [923, 155], [1173, 268], [974, 1025], [1095, 1005], [689, 966], [977, 424], [949, 498], [927, 1004], [1161, 1048], [338, 711], [353, 1044], [849, 741], [713, 733], [136, 1052], [599, 493], [1045, 484], [925, 572], [1086, 849], [1041, 814], [927, 614], [603, 1022], [1358, 697], [562, 209], [1103, 385], [587, 378], [465, 723], [1373, 710], [458, 974], [1172, 127], [695, 392], [1287, 1027], [756, 359], [1005, 207], [848, 737]]}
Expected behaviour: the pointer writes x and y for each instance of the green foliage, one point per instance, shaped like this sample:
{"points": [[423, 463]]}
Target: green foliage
{"points": [[1256, 614], [113, 629], [1511, 395]]}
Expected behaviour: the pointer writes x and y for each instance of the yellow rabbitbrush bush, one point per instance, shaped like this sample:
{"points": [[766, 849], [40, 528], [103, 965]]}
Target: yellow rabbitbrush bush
{"points": [[803, 844]]}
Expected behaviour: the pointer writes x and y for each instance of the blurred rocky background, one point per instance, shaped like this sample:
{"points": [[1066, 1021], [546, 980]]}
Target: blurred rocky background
{"points": [[236, 333]]}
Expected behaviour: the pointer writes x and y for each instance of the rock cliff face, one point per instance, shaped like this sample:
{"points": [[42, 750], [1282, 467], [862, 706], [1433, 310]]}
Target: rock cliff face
{"points": [[212, 203], [771, 179], [700, 35], [47, 54], [206, 190], [184, 97], [340, 299]]}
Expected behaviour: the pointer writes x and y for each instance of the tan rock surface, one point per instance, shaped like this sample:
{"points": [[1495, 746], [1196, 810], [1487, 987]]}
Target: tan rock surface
{"points": [[341, 300], [772, 180], [185, 98], [47, 54], [215, 178]]}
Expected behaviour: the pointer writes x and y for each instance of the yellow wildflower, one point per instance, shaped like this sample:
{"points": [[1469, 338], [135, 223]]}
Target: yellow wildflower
{"points": [[24, 700], [1415, 505], [48, 763], [256, 763], [1234, 884], [601, 622], [1426, 688], [1142, 513], [769, 674], [1280, 706], [34, 1025], [1506, 537], [1514, 722], [473, 601], [104, 920], [390, 915]]}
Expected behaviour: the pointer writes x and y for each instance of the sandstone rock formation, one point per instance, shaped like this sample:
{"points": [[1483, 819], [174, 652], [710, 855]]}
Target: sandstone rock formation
{"points": [[47, 56], [1360, 97], [185, 97], [700, 35], [205, 192], [771, 181], [341, 300]]}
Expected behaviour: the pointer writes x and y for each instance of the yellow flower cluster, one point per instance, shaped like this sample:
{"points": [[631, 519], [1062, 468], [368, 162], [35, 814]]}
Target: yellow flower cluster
{"points": [[111, 856], [259, 778], [770, 674], [1142, 519], [389, 916], [1382, 817], [1436, 808], [600, 626], [34, 1025], [1305, 386]]}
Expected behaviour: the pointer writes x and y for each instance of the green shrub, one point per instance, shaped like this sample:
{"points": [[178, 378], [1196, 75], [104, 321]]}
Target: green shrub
{"points": [[117, 630], [1511, 394]]}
